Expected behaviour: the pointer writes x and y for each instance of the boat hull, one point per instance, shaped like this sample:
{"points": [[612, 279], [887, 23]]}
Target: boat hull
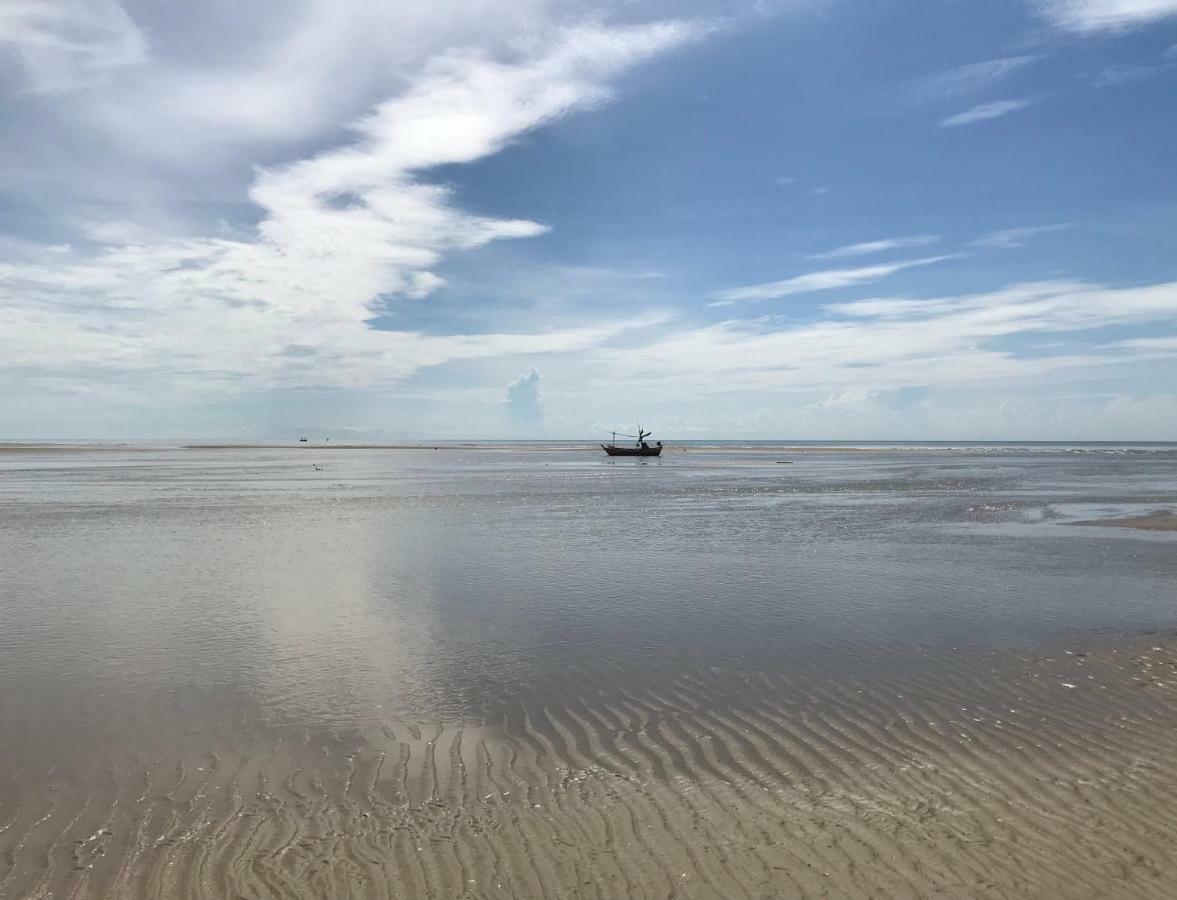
{"points": [[632, 451]]}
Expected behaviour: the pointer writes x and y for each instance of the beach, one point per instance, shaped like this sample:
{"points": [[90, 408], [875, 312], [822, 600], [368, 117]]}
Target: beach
{"points": [[893, 672]]}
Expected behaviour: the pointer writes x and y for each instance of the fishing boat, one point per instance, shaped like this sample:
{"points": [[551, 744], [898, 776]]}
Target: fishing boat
{"points": [[639, 448]]}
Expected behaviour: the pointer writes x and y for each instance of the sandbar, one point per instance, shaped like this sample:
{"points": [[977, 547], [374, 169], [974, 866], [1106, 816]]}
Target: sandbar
{"points": [[1161, 520]]}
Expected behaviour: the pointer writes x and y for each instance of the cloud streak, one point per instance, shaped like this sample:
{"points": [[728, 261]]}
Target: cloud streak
{"points": [[1017, 237], [881, 246], [888, 343], [1089, 16], [818, 281], [67, 44], [985, 112], [970, 79]]}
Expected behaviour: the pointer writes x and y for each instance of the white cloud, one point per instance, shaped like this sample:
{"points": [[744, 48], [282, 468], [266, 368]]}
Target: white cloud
{"points": [[522, 400], [854, 400], [341, 232], [819, 281], [1114, 76], [1126, 73], [1017, 237], [1163, 347], [985, 111], [969, 79], [318, 63], [1086, 16], [880, 246], [890, 343], [65, 44]]}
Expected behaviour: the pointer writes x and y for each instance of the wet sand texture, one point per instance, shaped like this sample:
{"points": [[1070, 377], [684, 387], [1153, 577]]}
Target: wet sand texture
{"points": [[974, 777], [1157, 521]]}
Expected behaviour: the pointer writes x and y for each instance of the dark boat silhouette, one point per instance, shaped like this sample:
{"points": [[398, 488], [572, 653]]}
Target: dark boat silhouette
{"points": [[640, 447]]}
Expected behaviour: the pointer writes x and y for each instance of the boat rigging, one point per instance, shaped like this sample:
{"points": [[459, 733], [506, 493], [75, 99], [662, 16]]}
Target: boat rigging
{"points": [[640, 447]]}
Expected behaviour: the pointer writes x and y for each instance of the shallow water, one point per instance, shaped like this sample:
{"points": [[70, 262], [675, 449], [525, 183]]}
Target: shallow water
{"points": [[163, 606], [435, 581]]}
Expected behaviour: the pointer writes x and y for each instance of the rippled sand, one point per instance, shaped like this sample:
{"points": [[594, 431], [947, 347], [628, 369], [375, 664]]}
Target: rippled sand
{"points": [[968, 775]]}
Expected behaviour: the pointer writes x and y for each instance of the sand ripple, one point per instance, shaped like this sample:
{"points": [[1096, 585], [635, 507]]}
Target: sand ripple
{"points": [[963, 776]]}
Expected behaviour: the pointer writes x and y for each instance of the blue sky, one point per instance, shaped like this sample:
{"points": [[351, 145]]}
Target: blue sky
{"points": [[525, 218]]}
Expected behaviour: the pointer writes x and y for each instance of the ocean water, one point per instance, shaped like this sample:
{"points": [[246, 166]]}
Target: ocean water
{"points": [[166, 603]]}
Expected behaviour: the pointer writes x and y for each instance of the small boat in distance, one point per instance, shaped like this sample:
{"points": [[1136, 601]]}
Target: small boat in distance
{"points": [[640, 447]]}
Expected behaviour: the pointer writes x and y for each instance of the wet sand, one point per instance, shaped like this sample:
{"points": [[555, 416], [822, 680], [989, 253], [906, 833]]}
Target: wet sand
{"points": [[967, 775], [37, 449], [1158, 521]]}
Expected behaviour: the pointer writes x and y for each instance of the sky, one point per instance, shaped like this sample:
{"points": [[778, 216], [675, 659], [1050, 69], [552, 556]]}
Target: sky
{"points": [[810, 219]]}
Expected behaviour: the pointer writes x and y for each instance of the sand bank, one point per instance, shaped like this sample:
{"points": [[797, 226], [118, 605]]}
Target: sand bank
{"points": [[15, 448], [1162, 520]]}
